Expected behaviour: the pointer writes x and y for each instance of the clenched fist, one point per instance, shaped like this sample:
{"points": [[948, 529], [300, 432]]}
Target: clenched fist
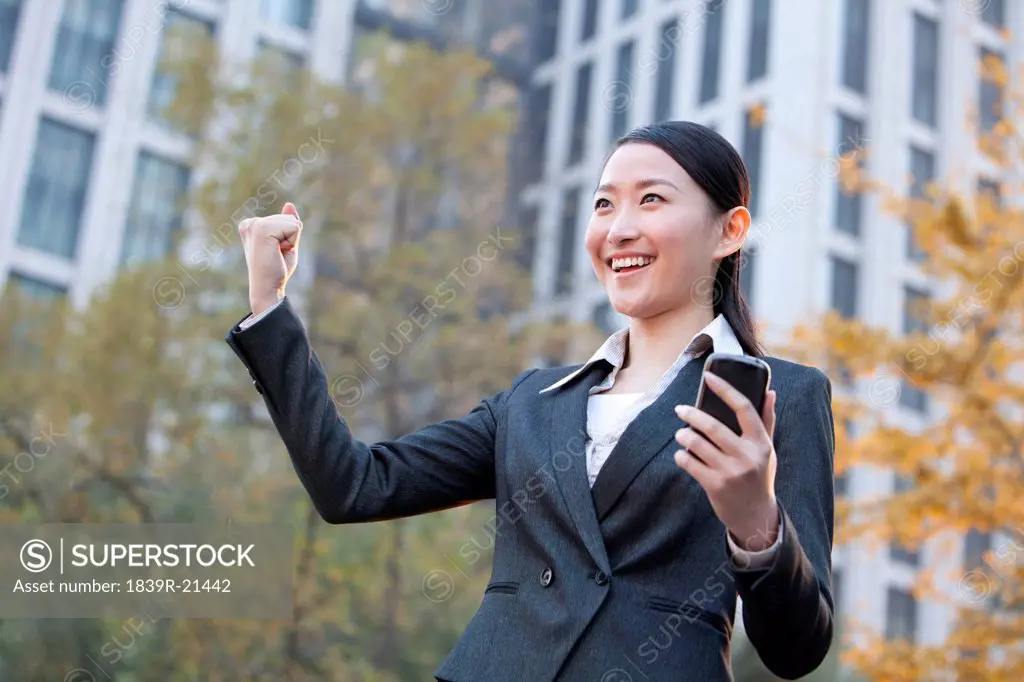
{"points": [[271, 246]]}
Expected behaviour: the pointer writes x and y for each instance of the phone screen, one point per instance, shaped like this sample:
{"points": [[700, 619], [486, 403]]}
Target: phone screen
{"points": [[749, 378]]}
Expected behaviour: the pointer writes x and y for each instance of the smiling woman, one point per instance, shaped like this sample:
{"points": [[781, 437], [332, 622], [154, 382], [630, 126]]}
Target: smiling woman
{"points": [[686, 189], [627, 554]]}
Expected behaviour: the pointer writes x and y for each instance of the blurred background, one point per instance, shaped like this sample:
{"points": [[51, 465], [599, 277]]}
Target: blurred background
{"points": [[442, 154]]}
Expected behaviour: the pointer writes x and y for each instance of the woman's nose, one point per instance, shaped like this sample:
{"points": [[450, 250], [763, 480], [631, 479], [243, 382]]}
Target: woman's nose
{"points": [[623, 229]]}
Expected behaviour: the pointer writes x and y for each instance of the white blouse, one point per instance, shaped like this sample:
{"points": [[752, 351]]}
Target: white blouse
{"points": [[607, 417], [608, 414]]}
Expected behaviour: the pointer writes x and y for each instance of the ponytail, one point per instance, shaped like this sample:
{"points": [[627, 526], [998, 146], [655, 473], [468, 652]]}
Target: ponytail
{"points": [[730, 302]]}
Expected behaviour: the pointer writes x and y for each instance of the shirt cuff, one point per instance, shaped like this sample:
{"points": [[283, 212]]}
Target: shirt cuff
{"points": [[745, 559], [250, 321]]}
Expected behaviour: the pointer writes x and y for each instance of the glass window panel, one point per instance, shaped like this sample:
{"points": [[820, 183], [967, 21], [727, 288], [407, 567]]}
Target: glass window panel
{"points": [[54, 200]]}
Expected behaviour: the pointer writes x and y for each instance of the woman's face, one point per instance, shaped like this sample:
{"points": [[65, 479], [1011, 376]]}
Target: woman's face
{"points": [[652, 237]]}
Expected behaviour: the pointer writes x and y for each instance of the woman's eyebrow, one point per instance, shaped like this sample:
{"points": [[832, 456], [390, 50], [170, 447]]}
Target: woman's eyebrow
{"points": [[640, 184]]}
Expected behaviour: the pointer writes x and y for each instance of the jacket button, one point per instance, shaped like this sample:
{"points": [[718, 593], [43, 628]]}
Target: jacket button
{"points": [[546, 576], [600, 578]]}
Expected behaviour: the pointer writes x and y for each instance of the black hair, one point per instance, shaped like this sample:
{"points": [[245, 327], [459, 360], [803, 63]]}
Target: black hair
{"points": [[716, 166]]}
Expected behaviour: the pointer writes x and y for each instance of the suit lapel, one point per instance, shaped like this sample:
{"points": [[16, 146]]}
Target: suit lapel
{"points": [[645, 437], [569, 460]]}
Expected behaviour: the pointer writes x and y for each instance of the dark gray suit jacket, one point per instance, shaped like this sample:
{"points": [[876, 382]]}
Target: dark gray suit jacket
{"points": [[630, 581]]}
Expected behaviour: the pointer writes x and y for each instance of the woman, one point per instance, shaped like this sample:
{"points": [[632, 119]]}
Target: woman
{"points": [[629, 535]]}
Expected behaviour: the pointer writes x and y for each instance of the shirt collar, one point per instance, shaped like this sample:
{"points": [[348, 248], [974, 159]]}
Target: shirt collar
{"points": [[613, 350]]}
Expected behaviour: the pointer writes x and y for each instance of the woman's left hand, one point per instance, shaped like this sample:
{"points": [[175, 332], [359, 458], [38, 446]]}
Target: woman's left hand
{"points": [[736, 472]]}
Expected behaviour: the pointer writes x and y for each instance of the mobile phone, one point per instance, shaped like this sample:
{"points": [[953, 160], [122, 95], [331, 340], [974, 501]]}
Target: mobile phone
{"points": [[747, 374]]}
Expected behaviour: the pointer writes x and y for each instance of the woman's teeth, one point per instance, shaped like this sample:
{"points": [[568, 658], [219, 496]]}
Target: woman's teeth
{"points": [[634, 262]]}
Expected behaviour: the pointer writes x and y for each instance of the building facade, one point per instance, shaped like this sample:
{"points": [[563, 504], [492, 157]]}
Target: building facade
{"points": [[96, 173], [93, 176], [794, 85]]}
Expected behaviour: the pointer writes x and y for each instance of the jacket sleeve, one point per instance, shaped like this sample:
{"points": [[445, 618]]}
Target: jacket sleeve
{"points": [[437, 467], [787, 606]]}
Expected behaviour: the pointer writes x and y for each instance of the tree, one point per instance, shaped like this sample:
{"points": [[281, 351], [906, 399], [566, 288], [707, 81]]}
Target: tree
{"points": [[963, 469], [412, 297], [410, 292], [100, 414]]}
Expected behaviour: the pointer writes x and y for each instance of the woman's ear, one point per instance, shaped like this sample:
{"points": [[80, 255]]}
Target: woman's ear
{"points": [[736, 224]]}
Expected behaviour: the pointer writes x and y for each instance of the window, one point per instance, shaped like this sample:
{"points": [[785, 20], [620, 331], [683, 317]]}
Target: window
{"points": [[35, 288], [28, 333], [537, 115], [837, 590], [855, 45], [629, 8], [547, 30], [751, 150], [991, 189], [900, 615], [567, 241], [41, 297], [528, 218], [280, 60], [84, 48], [581, 106], [712, 59], [990, 192], [179, 30], [55, 197], [359, 63], [842, 481], [297, 13], [844, 287], [757, 58], [897, 552], [10, 11], [748, 267], [840, 485], [155, 211], [976, 544], [590, 10], [922, 170], [851, 135], [925, 77], [665, 76], [993, 13], [990, 95], [621, 98], [848, 204], [912, 396], [912, 317]]}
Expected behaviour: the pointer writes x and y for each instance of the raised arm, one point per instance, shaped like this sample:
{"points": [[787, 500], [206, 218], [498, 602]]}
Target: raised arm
{"points": [[440, 466], [437, 467]]}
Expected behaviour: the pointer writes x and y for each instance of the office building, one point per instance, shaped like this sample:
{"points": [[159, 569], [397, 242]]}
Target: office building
{"points": [[794, 85], [94, 177]]}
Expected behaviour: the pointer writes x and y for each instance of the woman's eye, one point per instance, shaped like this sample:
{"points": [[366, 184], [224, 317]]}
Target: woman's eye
{"points": [[601, 203], [651, 196]]}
